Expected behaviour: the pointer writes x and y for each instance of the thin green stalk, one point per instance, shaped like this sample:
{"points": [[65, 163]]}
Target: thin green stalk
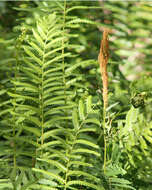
{"points": [[17, 46], [104, 137], [41, 95], [14, 117], [64, 83], [13, 143], [71, 149], [105, 142], [63, 63]]}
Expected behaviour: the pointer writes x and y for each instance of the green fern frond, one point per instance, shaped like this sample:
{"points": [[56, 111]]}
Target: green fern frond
{"points": [[82, 183]]}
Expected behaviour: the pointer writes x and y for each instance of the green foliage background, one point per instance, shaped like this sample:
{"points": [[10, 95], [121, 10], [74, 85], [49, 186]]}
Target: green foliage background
{"points": [[51, 96]]}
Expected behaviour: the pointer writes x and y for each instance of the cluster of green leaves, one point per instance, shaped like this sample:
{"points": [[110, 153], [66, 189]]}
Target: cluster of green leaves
{"points": [[51, 101]]}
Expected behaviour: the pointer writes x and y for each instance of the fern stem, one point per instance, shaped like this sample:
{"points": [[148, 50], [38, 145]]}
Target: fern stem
{"points": [[41, 101], [105, 142], [17, 46], [103, 61], [14, 117], [63, 63], [71, 149], [42, 94], [64, 83], [67, 167], [104, 137]]}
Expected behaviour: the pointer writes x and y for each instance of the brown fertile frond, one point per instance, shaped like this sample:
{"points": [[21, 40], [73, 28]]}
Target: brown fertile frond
{"points": [[104, 46], [103, 61]]}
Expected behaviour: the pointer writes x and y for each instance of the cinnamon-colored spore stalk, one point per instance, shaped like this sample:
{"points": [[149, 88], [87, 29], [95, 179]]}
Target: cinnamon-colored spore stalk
{"points": [[103, 61]]}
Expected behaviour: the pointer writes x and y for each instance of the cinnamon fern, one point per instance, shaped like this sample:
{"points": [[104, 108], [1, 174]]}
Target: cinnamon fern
{"points": [[51, 125]]}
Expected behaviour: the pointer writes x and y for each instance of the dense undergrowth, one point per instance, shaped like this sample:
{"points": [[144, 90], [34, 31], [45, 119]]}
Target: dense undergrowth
{"points": [[51, 107]]}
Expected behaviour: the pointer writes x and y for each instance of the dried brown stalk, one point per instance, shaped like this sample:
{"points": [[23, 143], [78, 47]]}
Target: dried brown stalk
{"points": [[103, 61]]}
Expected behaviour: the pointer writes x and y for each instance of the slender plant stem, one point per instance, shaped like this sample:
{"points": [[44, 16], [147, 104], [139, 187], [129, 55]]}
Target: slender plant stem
{"points": [[42, 93], [14, 116], [103, 61], [16, 73], [64, 83], [71, 149], [63, 62], [105, 142], [104, 136], [14, 105]]}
